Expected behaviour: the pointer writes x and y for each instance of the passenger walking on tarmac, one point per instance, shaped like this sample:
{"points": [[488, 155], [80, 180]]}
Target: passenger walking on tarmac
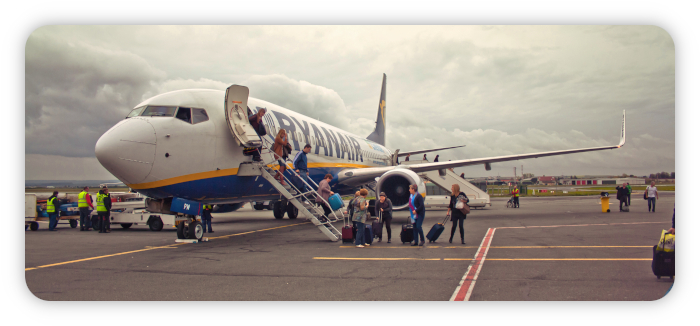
{"points": [[256, 121], [280, 143], [652, 195], [85, 206], [53, 212], [516, 196], [457, 216], [104, 205], [300, 164], [436, 158], [324, 189], [206, 218], [360, 217], [415, 204], [629, 194], [622, 195], [384, 208]]}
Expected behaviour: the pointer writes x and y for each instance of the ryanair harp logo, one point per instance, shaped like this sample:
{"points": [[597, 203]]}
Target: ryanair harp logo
{"points": [[382, 105]]}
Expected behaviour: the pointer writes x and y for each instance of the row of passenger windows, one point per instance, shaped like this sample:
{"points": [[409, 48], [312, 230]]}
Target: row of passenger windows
{"points": [[313, 141], [189, 115]]}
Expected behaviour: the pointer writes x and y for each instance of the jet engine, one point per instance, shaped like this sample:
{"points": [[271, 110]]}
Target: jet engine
{"points": [[395, 184]]}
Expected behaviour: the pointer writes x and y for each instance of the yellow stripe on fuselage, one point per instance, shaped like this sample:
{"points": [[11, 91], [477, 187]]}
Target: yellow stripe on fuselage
{"points": [[227, 172]]}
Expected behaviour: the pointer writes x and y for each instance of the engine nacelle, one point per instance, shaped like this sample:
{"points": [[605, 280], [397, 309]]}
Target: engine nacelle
{"points": [[395, 184]]}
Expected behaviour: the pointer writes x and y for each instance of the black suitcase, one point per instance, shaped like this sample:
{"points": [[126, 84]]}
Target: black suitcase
{"points": [[377, 227], [663, 263], [436, 230], [369, 235], [407, 231]]}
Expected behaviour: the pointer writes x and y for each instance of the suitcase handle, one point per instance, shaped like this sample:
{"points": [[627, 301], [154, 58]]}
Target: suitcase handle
{"points": [[663, 243], [445, 221]]}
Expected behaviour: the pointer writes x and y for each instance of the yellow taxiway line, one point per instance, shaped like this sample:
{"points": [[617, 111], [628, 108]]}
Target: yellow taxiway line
{"points": [[153, 248], [502, 259], [498, 247]]}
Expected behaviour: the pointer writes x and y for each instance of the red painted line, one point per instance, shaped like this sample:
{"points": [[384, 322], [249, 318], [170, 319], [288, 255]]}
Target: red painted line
{"points": [[558, 226], [466, 285]]}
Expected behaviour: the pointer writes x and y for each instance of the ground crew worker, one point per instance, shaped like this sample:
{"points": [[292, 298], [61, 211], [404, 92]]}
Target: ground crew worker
{"points": [[85, 206], [53, 212], [104, 204], [206, 218], [516, 196]]}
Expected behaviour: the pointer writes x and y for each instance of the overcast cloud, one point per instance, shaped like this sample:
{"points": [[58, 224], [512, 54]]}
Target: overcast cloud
{"points": [[499, 90]]}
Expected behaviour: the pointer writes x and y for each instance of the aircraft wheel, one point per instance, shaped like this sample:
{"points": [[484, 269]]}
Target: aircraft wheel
{"points": [[271, 205], [126, 225], [33, 226], [278, 210], [73, 223], [156, 224], [292, 211], [182, 230], [95, 221], [259, 206], [195, 231]]}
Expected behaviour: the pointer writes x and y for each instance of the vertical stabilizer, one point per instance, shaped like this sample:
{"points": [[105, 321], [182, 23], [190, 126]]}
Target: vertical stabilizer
{"points": [[377, 135]]}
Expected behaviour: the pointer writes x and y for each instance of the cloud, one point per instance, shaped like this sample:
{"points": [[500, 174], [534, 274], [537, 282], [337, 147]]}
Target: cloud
{"points": [[55, 167]]}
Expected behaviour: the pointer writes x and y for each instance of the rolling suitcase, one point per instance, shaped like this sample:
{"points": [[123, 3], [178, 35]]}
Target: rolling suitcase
{"points": [[407, 231], [625, 208], [369, 235], [664, 262], [347, 232], [436, 230], [377, 227]]}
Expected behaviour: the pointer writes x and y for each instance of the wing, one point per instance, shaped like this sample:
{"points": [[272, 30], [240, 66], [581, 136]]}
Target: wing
{"points": [[360, 176], [427, 150]]}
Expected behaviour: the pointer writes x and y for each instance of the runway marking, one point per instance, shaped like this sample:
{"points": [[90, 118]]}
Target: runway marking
{"points": [[568, 259], [495, 259], [363, 258], [466, 285], [153, 248], [557, 226], [502, 247]]}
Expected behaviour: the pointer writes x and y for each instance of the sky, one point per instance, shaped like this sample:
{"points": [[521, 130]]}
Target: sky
{"points": [[499, 90]]}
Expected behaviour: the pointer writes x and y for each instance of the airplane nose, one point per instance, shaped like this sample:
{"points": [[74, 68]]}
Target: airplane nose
{"points": [[128, 150]]}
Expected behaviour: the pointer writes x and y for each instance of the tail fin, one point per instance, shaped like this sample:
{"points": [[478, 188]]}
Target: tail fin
{"points": [[377, 135]]}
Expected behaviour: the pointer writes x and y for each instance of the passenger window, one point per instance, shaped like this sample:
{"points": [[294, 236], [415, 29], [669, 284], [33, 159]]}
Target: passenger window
{"points": [[199, 115], [135, 112], [159, 111], [184, 114]]}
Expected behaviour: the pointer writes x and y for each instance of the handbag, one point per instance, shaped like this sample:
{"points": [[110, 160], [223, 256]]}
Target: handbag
{"points": [[646, 193], [462, 206]]}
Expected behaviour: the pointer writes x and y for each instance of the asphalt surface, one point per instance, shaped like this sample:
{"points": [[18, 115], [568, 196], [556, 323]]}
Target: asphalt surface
{"points": [[529, 258]]}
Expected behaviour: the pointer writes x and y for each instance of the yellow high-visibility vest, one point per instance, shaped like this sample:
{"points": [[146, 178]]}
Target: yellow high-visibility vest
{"points": [[207, 206], [50, 207], [82, 202], [516, 192], [100, 203]]}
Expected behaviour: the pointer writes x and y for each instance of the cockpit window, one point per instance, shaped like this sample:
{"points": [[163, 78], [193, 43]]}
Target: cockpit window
{"points": [[199, 115], [184, 114], [159, 111], [135, 112]]}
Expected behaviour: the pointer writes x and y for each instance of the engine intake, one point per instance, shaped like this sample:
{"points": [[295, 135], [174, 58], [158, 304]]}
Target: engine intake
{"points": [[395, 184]]}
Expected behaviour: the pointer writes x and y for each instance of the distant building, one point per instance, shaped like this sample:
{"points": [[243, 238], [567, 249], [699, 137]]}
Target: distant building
{"points": [[548, 181], [601, 181]]}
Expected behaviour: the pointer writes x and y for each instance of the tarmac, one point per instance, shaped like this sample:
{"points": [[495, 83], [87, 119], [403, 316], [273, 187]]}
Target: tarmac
{"points": [[554, 248]]}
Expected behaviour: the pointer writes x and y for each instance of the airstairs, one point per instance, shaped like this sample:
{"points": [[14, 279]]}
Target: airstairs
{"points": [[446, 178], [303, 201]]}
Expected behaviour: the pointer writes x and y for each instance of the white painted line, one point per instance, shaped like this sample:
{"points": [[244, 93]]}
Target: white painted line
{"points": [[466, 285]]}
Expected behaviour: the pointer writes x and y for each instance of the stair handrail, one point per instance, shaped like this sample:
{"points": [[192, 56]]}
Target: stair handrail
{"points": [[267, 145]]}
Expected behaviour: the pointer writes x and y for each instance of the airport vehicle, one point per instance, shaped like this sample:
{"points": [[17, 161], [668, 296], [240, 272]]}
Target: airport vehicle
{"points": [[35, 211], [262, 205], [187, 146]]}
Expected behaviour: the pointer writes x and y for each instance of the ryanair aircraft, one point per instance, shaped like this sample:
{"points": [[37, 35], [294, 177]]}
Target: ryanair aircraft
{"points": [[189, 145]]}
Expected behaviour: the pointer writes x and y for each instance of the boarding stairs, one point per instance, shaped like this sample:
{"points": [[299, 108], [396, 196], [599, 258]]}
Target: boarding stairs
{"points": [[445, 178], [303, 201]]}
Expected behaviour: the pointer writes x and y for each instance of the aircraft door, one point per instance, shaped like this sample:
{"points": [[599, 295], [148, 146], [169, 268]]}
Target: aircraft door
{"points": [[237, 118]]}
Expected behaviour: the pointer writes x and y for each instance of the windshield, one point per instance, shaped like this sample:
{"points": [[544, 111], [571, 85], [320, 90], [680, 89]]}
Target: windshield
{"points": [[159, 111], [135, 112]]}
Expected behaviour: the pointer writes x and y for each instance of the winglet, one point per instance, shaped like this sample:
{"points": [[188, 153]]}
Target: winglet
{"points": [[622, 137]]}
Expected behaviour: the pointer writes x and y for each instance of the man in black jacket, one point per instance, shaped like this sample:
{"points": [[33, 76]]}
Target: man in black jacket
{"points": [[103, 223], [383, 208], [256, 122]]}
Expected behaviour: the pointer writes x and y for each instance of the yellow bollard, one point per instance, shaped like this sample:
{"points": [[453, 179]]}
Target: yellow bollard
{"points": [[605, 204]]}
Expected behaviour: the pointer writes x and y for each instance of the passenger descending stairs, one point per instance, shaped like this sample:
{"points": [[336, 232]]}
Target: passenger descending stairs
{"points": [[302, 201]]}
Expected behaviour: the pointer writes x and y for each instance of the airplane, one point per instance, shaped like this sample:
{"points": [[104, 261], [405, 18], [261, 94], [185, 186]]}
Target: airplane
{"points": [[188, 146]]}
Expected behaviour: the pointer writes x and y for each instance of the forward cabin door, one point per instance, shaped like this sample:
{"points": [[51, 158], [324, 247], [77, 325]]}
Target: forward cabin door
{"points": [[237, 116]]}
